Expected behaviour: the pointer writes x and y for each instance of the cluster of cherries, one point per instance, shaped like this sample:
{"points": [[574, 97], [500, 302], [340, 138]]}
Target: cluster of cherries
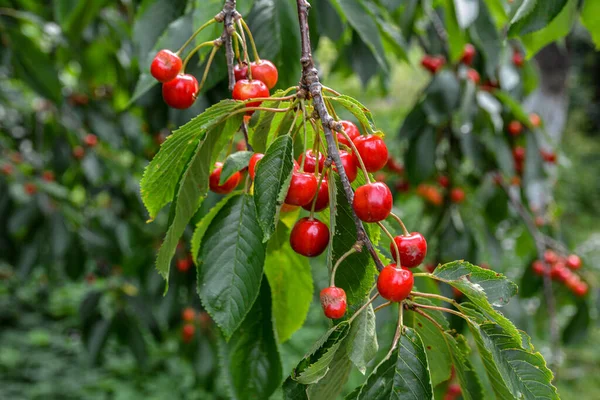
{"points": [[561, 270], [435, 63], [191, 319]]}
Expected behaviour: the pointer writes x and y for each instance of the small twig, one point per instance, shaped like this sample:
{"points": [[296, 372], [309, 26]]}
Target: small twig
{"points": [[399, 329], [394, 244], [397, 218], [442, 309], [244, 128], [212, 21], [382, 306], [362, 308], [435, 296], [339, 261], [228, 14]]}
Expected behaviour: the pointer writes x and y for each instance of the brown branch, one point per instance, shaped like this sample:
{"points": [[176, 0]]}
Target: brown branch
{"points": [[228, 15], [310, 87]]}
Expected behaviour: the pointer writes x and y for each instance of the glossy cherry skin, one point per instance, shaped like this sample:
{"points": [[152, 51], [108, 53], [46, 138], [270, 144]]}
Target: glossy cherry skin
{"points": [[372, 202], [180, 92], [560, 272], [515, 128], [240, 71], [322, 197], [394, 283], [580, 289], [256, 157], [245, 89], [457, 195], [519, 154], [538, 268], [349, 165], [90, 140], [550, 256], [468, 54], [165, 66], [412, 249], [229, 184], [266, 71], [311, 161], [444, 181], [309, 237], [473, 76], [548, 156], [573, 261], [351, 130], [333, 301], [303, 188], [433, 63], [372, 150]]}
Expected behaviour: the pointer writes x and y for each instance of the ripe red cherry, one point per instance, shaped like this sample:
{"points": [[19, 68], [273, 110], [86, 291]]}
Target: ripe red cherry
{"points": [[372, 150], [180, 92], [519, 154], [538, 268], [548, 156], [468, 54], [412, 249], [473, 76], [444, 181], [245, 89], [560, 272], [7, 169], [372, 202], [535, 120], [573, 261], [550, 256], [515, 128], [322, 197], [351, 130], [394, 166], [433, 63], [78, 152], [457, 195], [303, 188], [187, 333], [333, 301], [229, 184], [311, 161], [349, 165], [165, 66], [184, 264], [240, 71], [309, 237], [30, 188], [518, 59], [188, 314], [264, 70], [256, 157], [90, 140], [48, 176], [394, 283], [580, 289], [454, 389]]}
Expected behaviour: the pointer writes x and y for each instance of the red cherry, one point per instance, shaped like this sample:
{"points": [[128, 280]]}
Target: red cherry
{"points": [[473, 76], [30, 188], [188, 314], [444, 181], [90, 140], [373, 202], [351, 130], [322, 198], [573, 261], [229, 184], [78, 152], [518, 59], [264, 70], [468, 54], [245, 89], [311, 161], [187, 333], [394, 283], [7, 169], [184, 264], [165, 66], [548, 156], [256, 157], [394, 166], [48, 176], [519, 154], [457, 195], [550, 256], [372, 150], [402, 186], [454, 389], [515, 128], [349, 165], [560, 272], [535, 120], [412, 249], [580, 289], [303, 188], [240, 71], [181, 92], [433, 63], [309, 237], [333, 301], [538, 268]]}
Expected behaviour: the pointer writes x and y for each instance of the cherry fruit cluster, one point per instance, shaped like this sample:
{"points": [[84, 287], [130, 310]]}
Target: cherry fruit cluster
{"points": [[562, 269]]}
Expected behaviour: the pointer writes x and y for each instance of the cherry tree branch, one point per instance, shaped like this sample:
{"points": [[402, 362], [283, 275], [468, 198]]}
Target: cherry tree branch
{"points": [[228, 16], [310, 87]]}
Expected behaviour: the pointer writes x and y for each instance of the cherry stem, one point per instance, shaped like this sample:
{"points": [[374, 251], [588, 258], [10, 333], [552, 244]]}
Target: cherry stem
{"points": [[424, 274], [195, 50], [382, 306], [211, 57], [356, 153], [399, 329], [206, 24], [399, 220], [339, 261], [246, 138], [242, 39], [443, 309], [259, 109], [396, 250], [314, 200], [236, 48], [330, 90], [305, 136], [362, 308], [434, 296], [250, 37]]}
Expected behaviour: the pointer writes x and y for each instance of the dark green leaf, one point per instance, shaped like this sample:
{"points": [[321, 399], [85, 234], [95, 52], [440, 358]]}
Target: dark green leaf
{"points": [[97, 339], [485, 36], [533, 15], [579, 324], [293, 390], [330, 386], [408, 17], [442, 98], [456, 36], [362, 343], [420, 156], [414, 123], [232, 256], [234, 163], [467, 376], [557, 29]]}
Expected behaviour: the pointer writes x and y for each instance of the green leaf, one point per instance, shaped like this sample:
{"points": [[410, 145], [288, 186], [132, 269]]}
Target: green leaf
{"points": [[362, 343], [408, 18], [291, 288], [467, 376], [357, 109], [533, 15], [456, 36], [251, 362], [97, 338], [466, 12], [579, 324], [420, 156], [589, 13], [315, 364], [293, 390], [514, 106], [330, 386], [362, 20], [498, 12], [442, 98], [557, 29], [232, 256], [485, 36], [204, 223], [414, 123], [234, 163], [204, 10], [271, 182], [193, 188], [269, 123], [159, 183], [404, 374]]}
